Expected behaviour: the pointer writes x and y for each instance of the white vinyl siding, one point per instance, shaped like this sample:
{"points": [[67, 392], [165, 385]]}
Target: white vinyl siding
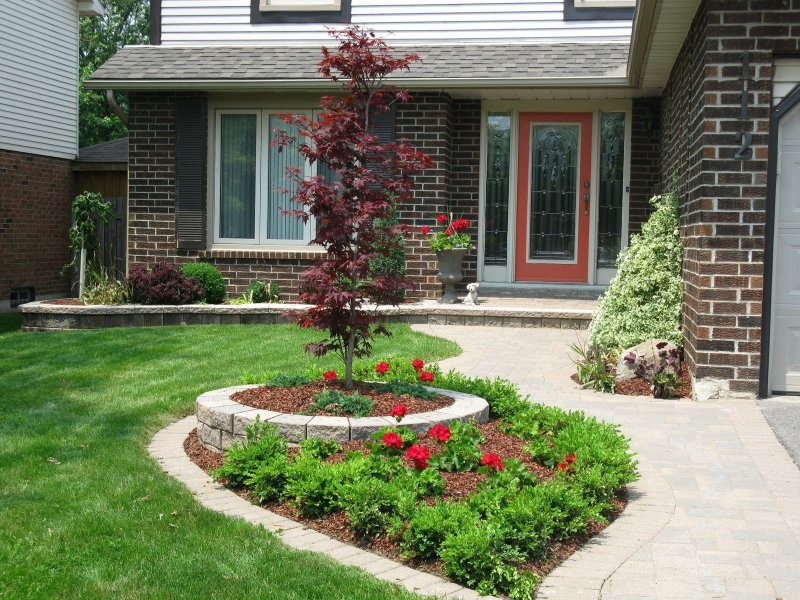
{"points": [[204, 22], [39, 77], [787, 77]]}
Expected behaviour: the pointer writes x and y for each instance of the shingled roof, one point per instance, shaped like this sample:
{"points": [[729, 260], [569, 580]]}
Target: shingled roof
{"points": [[151, 64]]}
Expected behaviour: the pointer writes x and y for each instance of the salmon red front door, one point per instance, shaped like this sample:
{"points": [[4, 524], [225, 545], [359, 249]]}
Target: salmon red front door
{"points": [[553, 192]]}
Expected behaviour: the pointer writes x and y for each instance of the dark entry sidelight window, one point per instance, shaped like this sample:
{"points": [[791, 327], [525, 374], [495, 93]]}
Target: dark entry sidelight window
{"points": [[611, 189], [554, 182], [498, 169]]}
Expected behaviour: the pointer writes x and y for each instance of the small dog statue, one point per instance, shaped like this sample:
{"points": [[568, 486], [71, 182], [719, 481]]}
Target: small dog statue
{"points": [[472, 294]]}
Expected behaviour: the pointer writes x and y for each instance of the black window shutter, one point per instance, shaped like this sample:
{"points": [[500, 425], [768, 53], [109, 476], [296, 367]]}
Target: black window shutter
{"points": [[383, 126], [190, 173]]}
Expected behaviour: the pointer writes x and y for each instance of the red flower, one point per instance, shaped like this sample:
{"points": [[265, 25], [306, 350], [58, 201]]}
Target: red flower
{"points": [[392, 440], [425, 376], [398, 411], [330, 375], [563, 467], [420, 455], [493, 461], [440, 432], [425, 229], [570, 458], [417, 363], [441, 219], [382, 368], [460, 224], [448, 231]]}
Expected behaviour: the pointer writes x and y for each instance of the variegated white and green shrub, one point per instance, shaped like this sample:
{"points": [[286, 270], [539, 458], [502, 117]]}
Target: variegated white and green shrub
{"points": [[644, 300]]}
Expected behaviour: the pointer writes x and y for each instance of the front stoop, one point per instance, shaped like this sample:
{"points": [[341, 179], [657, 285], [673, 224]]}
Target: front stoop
{"points": [[583, 575]]}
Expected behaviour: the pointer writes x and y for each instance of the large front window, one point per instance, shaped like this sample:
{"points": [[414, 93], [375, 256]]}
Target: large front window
{"points": [[253, 185]]}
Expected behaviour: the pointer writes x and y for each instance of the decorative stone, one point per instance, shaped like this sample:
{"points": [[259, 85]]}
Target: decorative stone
{"points": [[329, 428], [291, 427], [223, 421], [646, 350]]}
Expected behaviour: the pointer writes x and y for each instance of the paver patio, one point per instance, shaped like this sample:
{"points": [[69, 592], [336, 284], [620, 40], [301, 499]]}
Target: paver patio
{"points": [[717, 511]]}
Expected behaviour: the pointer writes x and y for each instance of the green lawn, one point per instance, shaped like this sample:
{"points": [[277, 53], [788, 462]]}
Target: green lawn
{"points": [[86, 513]]}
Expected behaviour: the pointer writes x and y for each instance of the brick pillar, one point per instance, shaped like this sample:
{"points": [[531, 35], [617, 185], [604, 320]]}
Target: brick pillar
{"points": [[645, 180], [426, 122], [723, 197]]}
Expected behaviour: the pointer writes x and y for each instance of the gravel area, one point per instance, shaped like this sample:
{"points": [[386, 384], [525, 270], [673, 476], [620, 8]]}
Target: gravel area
{"points": [[783, 415]]}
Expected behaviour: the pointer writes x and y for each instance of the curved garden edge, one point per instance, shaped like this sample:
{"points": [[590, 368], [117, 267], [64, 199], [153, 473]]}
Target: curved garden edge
{"points": [[650, 506], [222, 421]]}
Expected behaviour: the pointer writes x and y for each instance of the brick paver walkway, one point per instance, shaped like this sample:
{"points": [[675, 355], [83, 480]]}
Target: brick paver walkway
{"points": [[716, 513]]}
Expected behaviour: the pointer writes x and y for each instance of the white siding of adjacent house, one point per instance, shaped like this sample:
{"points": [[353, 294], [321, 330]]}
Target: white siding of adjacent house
{"points": [[38, 77], [227, 22]]}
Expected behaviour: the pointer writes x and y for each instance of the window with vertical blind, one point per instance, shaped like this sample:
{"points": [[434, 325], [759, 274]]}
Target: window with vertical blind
{"points": [[253, 187]]}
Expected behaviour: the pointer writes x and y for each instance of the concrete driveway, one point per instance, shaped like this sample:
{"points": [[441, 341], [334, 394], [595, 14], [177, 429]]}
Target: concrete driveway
{"points": [[716, 512]]}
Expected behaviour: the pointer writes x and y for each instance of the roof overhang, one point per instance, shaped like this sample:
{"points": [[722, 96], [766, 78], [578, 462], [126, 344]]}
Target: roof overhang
{"points": [[324, 85], [91, 8], [659, 30]]}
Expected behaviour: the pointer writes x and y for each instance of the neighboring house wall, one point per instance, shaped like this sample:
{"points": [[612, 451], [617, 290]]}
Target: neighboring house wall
{"points": [[418, 21], [38, 77], [723, 198], [35, 193], [38, 140], [645, 180]]}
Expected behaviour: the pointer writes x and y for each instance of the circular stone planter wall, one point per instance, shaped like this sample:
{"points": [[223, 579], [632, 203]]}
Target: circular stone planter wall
{"points": [[222, 421]]}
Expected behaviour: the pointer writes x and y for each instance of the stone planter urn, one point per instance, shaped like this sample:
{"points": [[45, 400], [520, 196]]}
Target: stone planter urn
{"points": [[450, 272]]}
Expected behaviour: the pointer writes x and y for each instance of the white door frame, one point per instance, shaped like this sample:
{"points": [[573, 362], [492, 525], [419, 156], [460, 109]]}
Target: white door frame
{"points": [[516, 107]]}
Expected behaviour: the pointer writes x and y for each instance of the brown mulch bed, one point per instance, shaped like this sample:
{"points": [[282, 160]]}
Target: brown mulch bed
{"points": [[65, 301], [458, 486], [638, 386], [298, 400]]}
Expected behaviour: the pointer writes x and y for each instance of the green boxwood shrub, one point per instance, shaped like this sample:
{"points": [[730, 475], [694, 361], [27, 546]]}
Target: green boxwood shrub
{"points": [[209, 278], [644, 300]]}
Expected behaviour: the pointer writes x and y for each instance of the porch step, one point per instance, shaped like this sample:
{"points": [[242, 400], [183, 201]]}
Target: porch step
{"points": [[542, 290]]}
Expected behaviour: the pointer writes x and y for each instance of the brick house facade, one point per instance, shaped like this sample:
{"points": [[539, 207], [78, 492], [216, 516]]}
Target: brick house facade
{"points": [[724, 197], [660, 99]]}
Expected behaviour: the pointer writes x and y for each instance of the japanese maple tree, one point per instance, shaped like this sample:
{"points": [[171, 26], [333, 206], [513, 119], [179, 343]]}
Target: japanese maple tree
{"points": [[353, 212]]}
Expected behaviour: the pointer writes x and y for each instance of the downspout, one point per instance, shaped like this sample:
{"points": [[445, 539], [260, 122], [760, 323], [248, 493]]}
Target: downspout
{"points": [[115, 108]]}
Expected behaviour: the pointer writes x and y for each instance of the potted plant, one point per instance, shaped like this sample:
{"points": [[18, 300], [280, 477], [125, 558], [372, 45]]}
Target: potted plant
{"points": [[451, 245]]}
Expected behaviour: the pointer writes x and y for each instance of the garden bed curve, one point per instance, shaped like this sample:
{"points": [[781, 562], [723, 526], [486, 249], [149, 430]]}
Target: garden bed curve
{"points": [[221, 421]]}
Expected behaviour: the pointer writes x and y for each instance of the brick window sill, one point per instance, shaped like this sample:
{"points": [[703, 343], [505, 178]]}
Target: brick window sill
{"points": [[297, 253]]}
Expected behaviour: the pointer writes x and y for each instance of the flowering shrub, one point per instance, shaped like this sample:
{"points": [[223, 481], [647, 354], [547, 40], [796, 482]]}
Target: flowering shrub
{"points": [[330, 375], [493, 461], [426, 376], [420, 455], [644, 300], [452, 234], [382, 368], [440, 432], [398, 412], [391, 440], [566, 464], [418, 364]]}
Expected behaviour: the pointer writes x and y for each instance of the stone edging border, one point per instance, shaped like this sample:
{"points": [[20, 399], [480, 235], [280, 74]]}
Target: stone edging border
{"points": [[41, 316], [222, 421], [651, 505], [166, 448]]}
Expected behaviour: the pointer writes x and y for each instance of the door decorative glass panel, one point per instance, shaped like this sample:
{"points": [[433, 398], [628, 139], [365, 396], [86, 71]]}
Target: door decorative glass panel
{"points": [[610, 192], [554, 187], [237, 175], [498, 164]]}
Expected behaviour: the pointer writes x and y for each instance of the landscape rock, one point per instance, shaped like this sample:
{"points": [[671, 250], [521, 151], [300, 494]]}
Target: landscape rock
{"points": [[648, 350]]}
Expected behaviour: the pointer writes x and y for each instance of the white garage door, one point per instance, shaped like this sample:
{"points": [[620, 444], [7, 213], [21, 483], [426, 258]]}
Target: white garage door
{"points": [[785, 354]]}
